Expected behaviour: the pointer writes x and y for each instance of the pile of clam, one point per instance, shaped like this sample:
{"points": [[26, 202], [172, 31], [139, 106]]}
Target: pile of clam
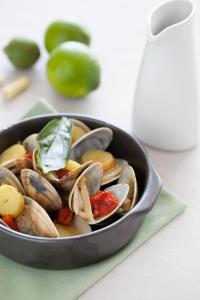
{"points": [[42, 195]]}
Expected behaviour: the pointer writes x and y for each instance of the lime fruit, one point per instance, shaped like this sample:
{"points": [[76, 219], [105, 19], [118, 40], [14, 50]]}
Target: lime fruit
{"points": [[64, 31], [23, 53], [73, 70]]}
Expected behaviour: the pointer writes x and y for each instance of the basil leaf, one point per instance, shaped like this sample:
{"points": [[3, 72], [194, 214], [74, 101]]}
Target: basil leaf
{"points": [[53, 145]]}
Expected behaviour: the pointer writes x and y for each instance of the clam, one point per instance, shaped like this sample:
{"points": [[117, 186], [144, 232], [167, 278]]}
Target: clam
{"points": [[35, 221], [16, 165], [65, 183], [80, 124], [78, 227], [120, 191], [99, 138], [79, 129], [115, 172], [128, 176], [7, 177], [41, 190], [30, 142], [87, 184]]}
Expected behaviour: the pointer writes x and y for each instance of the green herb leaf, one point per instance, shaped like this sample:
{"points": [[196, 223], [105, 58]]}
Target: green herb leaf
{"points": [[54, 144]]}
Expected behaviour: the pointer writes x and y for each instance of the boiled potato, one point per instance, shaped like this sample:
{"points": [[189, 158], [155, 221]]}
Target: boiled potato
{"points": [[11, 201], [13, 152], [96, 155], [77, 133], [72, 165], [66, 230]]}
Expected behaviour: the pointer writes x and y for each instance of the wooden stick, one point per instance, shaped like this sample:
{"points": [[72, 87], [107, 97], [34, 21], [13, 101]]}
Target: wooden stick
{"points": [[16, 87]]}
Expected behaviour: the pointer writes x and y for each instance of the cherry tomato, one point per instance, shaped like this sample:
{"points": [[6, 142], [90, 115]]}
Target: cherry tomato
{"points": [[65, 216], [103, 203], [29, 155], [61, 173], [10, 221]]}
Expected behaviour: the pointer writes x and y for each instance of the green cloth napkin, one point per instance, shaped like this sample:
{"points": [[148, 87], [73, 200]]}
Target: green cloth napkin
{"points": [[21, 282]]}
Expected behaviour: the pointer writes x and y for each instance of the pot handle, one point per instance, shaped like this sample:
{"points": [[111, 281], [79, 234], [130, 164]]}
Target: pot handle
{"points": [[151, 194]]}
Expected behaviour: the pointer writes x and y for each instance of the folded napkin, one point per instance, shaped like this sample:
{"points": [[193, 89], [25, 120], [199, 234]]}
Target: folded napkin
{"points": [[21, 282]]}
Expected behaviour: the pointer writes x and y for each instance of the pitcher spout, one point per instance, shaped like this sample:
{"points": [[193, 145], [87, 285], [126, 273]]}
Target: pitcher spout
{"points": [[169, 15]]}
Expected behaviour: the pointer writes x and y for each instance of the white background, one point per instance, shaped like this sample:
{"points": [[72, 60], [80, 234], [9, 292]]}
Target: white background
{"points": [[167, 266]]}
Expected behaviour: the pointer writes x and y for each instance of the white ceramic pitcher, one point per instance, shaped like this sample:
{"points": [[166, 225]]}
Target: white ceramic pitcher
{"points": [[166, 96]]}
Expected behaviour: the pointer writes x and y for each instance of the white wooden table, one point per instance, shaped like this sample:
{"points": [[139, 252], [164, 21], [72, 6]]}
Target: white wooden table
{"points": [[167, 267]]}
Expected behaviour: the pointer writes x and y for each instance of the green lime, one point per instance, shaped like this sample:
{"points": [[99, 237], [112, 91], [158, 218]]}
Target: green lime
{"points": [[23, 53], [64, 31], [73, 70]]}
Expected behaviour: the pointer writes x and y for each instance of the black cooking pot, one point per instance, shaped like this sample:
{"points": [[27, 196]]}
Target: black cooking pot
{"points": [[78, 251]]}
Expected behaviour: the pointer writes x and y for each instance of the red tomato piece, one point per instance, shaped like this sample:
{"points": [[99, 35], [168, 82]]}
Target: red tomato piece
{"points": [[103, 203], [61, 173], [29, 155], [65, 216], [10, 221]]}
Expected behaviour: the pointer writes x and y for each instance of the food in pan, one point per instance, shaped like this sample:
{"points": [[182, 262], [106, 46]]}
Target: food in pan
{"points": [[63, 181]]}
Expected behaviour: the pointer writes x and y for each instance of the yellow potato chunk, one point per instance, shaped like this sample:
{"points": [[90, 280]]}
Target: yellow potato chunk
{"points": [[105, 158], [11, 201], [13, 152], [66, 230], [72, 165], [77, 133]]}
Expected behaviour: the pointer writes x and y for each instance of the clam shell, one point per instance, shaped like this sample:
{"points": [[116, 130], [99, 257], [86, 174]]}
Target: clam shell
{"points": [[115, 172], [30, 142], [128, 176], [24, 221], [35, 221], [78, 227], [16, 165], [120, 191], [81, 203], [92, 177], [41, 190], [80, 124], [81, 225], [7, 177], [66, 183], [99, 138]]}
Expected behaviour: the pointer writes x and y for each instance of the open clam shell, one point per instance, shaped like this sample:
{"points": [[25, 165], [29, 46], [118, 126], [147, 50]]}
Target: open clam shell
{"points": [[115, 172], [65, 183], [16, 165], [128, 176], [7, 177], [99, 138], [81, 225], [78, 227], [87, 184], [35, 221], [30, 142], [80, 124], [79, 129], [120, 191], [41, 190]]}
